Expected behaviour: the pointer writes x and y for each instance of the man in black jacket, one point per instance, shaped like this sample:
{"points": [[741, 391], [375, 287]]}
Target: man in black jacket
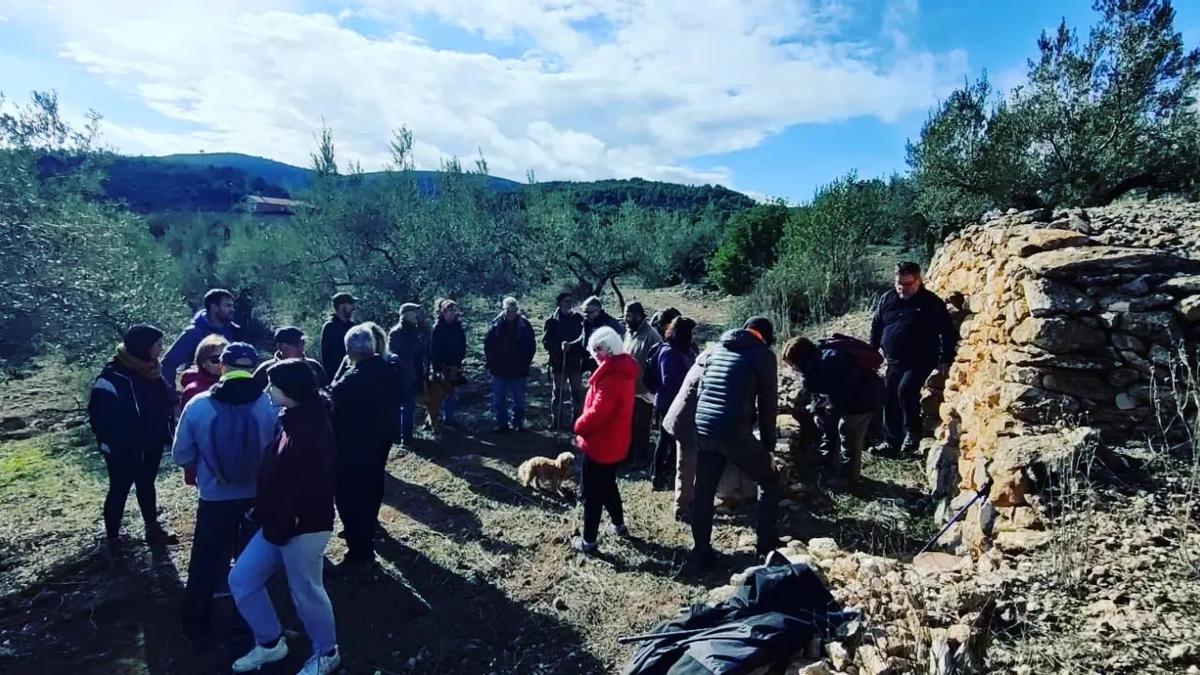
{"points": [[738, 388], [508, 351], [290, 343], [409, 344], [595, 317], [333, 333], [915, 331], [364, 407], [560, 336]]}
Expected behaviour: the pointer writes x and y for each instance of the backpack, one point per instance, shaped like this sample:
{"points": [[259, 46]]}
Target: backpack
{"points": [[236, 442], [867, 357], [651, 376]]}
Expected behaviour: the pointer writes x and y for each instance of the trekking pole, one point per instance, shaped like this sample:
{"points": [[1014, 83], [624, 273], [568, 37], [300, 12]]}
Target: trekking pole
{"points": [[954, 519], [562, 382]]}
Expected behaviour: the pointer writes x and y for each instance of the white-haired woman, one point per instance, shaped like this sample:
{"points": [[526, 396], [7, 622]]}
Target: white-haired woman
{"points": [[602, 434]]}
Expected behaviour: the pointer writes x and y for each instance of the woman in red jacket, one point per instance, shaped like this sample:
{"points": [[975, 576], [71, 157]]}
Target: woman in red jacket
{"points": [[602, 434]]}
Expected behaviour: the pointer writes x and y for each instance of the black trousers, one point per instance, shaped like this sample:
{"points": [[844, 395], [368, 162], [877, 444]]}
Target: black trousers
{"points": [[127, 468], [359, 495], [663, 476], [902, 401], [222, 531], [598, 488], [639, 442], [749, 456]]}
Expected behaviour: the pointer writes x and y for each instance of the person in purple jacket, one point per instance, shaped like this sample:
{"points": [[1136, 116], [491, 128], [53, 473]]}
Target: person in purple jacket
{"points": [[674, 358]]}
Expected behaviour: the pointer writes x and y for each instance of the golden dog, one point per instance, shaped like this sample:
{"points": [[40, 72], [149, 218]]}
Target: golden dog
{"points": [[438, 388], [543, 473]]}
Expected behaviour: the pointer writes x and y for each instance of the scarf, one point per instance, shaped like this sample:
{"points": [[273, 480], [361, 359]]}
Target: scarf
{"points": [[151, 370]]}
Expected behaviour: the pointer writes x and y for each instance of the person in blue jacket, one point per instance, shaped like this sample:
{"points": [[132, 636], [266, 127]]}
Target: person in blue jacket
{"points": [[216, 317]]}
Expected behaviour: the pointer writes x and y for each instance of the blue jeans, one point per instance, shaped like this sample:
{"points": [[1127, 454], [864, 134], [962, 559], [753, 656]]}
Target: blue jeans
{"points": [[405, 413], [302, 559], [502, 389]]}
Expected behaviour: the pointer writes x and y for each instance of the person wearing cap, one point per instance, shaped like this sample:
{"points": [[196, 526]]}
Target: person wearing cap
{"points": [[641, 342], [333, 333], [738, 387], [216, 318], [559, 338], [447, 351], [409, 345], [289, 344], [130, 412], [222, 436], [508, 350]]}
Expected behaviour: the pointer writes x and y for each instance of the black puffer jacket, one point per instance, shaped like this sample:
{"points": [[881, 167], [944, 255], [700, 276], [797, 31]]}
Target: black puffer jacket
{"points": [[129, 412], [917, 331], [739, 386]]}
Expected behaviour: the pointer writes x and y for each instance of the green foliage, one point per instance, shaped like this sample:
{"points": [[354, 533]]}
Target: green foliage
{"points": [[748, 248], [821, 269], [1095, 120], [606, 197], [74, 272], [148, 185]]}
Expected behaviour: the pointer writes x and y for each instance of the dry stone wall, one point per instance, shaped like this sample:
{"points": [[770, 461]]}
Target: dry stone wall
{"points": [[1067, 319]]}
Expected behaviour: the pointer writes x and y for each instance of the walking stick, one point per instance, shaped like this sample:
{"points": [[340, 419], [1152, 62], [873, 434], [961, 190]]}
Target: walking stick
{"points": [[982, 491], [562, 382]]}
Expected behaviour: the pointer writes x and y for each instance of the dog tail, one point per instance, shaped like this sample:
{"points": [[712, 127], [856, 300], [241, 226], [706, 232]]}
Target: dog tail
{"points": [[523, 473]]}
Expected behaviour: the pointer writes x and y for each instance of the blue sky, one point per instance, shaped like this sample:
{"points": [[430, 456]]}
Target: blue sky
{"points": [[773, 97]]}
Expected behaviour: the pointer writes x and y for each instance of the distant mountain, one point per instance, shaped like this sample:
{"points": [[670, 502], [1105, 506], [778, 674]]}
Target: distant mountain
{"points": [[221, 181]]}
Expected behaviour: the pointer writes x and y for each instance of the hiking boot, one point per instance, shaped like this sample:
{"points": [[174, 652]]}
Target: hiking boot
{"points": [[353, 566], [260, 656], [700, 560], [582, 545], [322, 664], [619, 530], [157, 534]]}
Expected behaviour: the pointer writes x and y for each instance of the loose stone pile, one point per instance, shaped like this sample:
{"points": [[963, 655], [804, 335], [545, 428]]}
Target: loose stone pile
{"points": [[1069, 319]]}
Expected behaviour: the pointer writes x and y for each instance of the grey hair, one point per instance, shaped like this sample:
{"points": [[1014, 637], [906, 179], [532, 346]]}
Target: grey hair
{"points": [[510, 301], [609, 339], [360, 341], [594, 300]]}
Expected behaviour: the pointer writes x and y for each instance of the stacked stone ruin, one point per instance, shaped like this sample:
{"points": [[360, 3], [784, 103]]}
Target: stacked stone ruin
{"points": [[1069, 322]]}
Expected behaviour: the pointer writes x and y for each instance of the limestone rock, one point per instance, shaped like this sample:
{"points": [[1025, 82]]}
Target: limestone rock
{"points": [[1189, 308], [1058, 334], [1045, 297], [1182, 285], [1071, 263]]}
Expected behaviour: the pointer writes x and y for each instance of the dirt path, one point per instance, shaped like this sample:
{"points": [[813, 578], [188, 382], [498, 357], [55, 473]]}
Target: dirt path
{"points": [[475, 576]]}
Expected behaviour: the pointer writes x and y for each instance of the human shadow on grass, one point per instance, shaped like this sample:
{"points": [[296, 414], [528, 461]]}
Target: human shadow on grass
{"points": [[497, 485], [421, 504], [467, 626]]}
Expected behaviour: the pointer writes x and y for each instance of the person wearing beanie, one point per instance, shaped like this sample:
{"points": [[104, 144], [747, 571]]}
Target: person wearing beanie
{"points": [[290, 343], [294, 505], [222, 436], [409, 344], [739, 387], [130, 411], [216, 318], [333, 333]]}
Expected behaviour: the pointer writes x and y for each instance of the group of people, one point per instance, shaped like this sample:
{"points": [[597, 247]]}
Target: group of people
{"points": [[274, 446]]}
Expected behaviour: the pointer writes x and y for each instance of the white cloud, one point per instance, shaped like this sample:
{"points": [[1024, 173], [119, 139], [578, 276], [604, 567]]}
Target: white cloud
{"points": [[608, 88]]}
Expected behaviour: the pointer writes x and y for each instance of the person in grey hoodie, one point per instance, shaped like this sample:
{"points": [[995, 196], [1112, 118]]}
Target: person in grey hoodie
{"points": [[222, 435]]}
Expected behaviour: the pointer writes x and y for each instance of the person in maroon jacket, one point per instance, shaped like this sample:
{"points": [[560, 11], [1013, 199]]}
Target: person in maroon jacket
{"points": [[602, 434], [294, 506]]}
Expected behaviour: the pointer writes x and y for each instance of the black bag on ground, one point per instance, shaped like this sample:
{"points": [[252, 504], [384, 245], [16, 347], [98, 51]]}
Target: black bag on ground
{"points": [[772, 615]]}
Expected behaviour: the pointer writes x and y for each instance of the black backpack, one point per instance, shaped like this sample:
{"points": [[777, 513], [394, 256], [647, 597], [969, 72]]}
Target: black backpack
{"points": [[867, 357]]}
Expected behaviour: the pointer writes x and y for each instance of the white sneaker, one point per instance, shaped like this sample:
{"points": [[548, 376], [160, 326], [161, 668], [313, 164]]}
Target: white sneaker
{"points": [[261, 656], [322, 664]]}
